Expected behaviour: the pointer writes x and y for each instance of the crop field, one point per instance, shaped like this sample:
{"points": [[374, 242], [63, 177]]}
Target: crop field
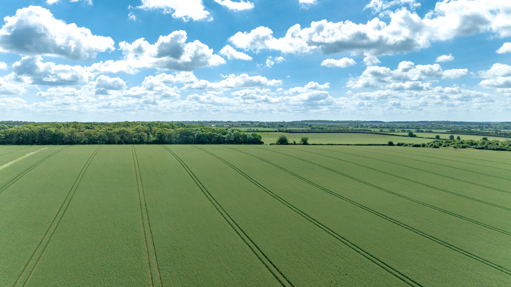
{"points": [[339, 138], [463, 137], [169, 215]]}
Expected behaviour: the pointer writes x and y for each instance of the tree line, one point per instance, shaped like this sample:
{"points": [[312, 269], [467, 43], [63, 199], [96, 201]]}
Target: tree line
{"points": [[123, 133]]}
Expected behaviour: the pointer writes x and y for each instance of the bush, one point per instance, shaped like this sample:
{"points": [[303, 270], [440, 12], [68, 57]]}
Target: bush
{"points": [[282, 140], [391, 143], [400, 144], [417, 145], [304, 140]]}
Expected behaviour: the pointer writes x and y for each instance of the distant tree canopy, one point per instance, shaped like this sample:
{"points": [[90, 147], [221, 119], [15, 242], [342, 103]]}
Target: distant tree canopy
{"points": [[123, 133]]}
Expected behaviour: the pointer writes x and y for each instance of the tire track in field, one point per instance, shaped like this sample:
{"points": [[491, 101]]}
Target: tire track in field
{"points": [[23, 173], [388, 218], [472, 153], [34, 260], [459, 161], [23, 148], [248, 241], [423, 170], [152, 258], [444, 165], [413, 181], [391, 270], [403, 196]]}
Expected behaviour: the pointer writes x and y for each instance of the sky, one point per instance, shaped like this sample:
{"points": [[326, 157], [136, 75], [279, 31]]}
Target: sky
{"points": [[260, 60]]}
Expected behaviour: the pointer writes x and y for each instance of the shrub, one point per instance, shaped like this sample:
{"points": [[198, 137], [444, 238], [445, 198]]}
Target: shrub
{"points": [[282, 140], [417, 145], [400, 144], [391, 143]]}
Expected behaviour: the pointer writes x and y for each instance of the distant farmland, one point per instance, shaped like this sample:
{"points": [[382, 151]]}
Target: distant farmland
{"points": [[254, 216], [340, 138]]}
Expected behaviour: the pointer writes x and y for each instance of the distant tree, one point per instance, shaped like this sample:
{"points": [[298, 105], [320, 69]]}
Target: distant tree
{"points": [[411, 134], [458, 138], [304, 141], [437, 137], [484, 138], [282, 140], [451, 137], [391, 143], [294, 142]]}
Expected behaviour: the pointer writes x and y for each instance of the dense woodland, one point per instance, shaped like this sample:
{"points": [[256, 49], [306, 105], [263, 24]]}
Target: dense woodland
{"points": [[122, 133]]}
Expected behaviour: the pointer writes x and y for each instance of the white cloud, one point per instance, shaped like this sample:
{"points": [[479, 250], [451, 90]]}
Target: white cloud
{"points": [[506, 48], [232, 82], [371, 61], [444, 58], [8, 87], [51, 2], [107, 83], [34, 31], [409, 86], [171, 52], [408, 72], [455, 73], [236, 6], [232, 54], [270, 61], [184, 9], [307, 3], [382, 5], [311, 86], [498, 76], [132, 17], [406, 31], [3, 66], [114, 67], [341, 63], [32, 70]]}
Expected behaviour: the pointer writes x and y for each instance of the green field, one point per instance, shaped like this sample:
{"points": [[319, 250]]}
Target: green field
{"points": [[339, 138], [152, 215], [446, 136]]}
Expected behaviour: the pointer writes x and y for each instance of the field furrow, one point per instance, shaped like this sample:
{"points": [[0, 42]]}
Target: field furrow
{"points": [[195, 245], [307, 255], [406, 279], [152, 258], [468, 181], [32, 263], [409, 180], [250, 243], [380, 237], [392, 220], [99, 241]]}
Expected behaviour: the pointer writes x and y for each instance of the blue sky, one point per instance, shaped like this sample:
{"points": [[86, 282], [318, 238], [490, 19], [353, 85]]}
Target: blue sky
{"points": [[91, 60]]}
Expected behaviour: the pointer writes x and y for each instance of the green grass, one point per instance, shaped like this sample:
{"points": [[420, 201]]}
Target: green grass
{"points": [[255, 216], [339, 138]]}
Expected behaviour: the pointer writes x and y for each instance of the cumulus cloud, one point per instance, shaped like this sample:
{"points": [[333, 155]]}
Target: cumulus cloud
{"points": [[51, 2], [270, 61], [233, 81], [455, 73], [506, 48], [34, 31], [307, 3], [171, 52], [232, 54], [9, 87], [375, 76], [32, 70], [444, 58], [382, 5], [236, 6], [341, 63], [310, 87], [3, 66], [184, 9], [105, 83], [498, 76], [405, 32], [115, 67]]}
